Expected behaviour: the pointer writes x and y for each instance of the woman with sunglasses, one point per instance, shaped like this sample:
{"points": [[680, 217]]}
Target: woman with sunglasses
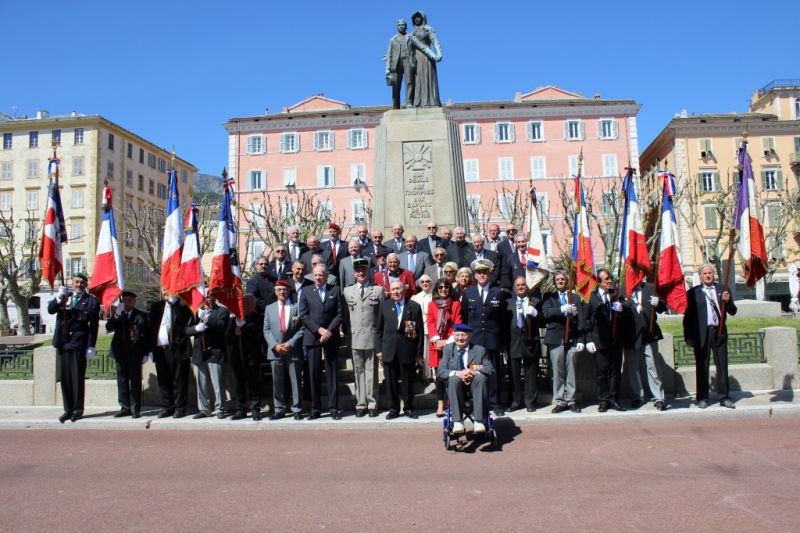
{"points": [[444, 312]]}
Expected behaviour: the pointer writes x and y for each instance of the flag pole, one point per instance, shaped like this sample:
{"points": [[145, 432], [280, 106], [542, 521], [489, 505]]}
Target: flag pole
{"points": [[724, 313], [64, 324], [528, 318], [621, 253], [571, 285], [659, 227]]}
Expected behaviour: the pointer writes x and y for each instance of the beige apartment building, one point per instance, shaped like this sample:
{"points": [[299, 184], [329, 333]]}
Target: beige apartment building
{"points": [[92, 150], [702, 152]]}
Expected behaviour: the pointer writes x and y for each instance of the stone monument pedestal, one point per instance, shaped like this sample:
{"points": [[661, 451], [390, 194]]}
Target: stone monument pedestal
{"points": [[419, 173]]}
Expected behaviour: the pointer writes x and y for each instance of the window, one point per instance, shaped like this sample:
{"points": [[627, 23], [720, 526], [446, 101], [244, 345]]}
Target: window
{"points": [[325, 176], [77, 197], [708, 181], [75, 265], [290, 177], [358, 211], [543, 204], [7, 166], [129, 151], [797, 146], [505, 203], [610, 165], [323, 141], [357, 139], [505, 169], [78, 138], [289, 143], [139, 245], [538, 167], [256, 144], [151, 188], [772, 179], [574, 164], [776, 248], [31, 232], [110, 170], [162, 165], [33, 169], [358, 174], [151, 160], [472, 133], [141, 183], [258, 249], [608, 205], [797, 108], [324, 210], [256, 181], [710, 214], [474, 207], [472, 170], [33, 199], [607, 128], [257, 216], [768, 146], [110, 141], [504, 132], [129, 178], [772, 215], [574, 130], [737, 145], [77, 231], [57, 137], [184, 176], [535, 130], [5, 200], [33, 139], [77, 166], [128, 206], [7, 141], [141, 155], [162, 191], [705, 149]]}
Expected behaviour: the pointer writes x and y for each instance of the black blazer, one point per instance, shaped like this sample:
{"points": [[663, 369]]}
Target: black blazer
{"points": [[315, 314], [341, 253], [390, 336], [485, 318], [506, 247], [635, 325], [494, 257], [131, 339], [695, 318], [327, 260], [272, 271], [294, 295], [83, 321], [477, 355], [180, 347], [263, 289], [512, 269], [253, 342], [216, 348], [302, 247], [423, 245], [519, 345], [599, 320], [458, 253], [557, 322]]}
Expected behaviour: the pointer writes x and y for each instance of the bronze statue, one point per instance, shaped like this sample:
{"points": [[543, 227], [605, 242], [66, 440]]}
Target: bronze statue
{"points": [[400, 61], [427, 52]]}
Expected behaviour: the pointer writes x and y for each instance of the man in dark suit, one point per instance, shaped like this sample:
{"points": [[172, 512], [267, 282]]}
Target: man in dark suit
{"points": [[493, 238], [514, 263], [701, 331], [335, 246], [522, 322], [432, 241], [641, 343], [506, 245], [130, 348], [459, 249], [480, 252], [172, 353], [363, 236], [558, 307], [298, 280], [397, 243], [294, 248], [414, 257], [466, 365], [321, 315], [279, 267], [210, 350], [315, 249], [399, 344], [482, 308], [284, 334], [260, 286], [436, 270], [603, 343], [74, 342], [371, 249], [245, 339]]}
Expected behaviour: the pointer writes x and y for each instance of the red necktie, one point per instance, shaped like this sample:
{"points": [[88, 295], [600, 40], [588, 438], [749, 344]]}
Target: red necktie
{"points": [[283, 318], [334, 253], [522, 258]]}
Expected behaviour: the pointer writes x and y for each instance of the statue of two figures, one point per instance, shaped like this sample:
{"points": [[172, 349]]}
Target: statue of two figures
{"points": [[414, 57]]}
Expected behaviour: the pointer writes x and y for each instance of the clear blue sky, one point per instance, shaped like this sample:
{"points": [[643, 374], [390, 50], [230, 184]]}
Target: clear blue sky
{"points": [[174, 71]]}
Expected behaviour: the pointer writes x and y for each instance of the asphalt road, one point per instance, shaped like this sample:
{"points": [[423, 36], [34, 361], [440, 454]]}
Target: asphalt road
{"points": [[733, 475]]}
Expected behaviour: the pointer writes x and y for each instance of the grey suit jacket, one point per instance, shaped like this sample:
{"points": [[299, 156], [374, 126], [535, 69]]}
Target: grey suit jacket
{"points": [[421, 261], [477, 356], [347, 276], [273, 335], [360, 316]]}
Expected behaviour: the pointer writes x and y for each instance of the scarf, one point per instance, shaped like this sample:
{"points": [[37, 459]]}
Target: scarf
{"points": [[444, 316]]}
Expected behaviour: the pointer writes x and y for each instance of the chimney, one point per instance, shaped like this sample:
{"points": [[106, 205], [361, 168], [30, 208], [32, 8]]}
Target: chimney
{"points": [[42, 114], [285, 109], [518, 97], [597, 96]]}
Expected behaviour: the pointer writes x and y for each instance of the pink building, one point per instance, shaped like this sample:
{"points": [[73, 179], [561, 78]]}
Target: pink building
{"points": [[325, 148]]}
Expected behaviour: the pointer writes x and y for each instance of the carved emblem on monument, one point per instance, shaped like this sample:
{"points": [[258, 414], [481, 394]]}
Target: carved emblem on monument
{"points": [[418, 182]]}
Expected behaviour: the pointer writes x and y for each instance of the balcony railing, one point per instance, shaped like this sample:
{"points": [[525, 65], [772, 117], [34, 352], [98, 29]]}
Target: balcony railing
{"points": [[778, 83], [794, 158]]}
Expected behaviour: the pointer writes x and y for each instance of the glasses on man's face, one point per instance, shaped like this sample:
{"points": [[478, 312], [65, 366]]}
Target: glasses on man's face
{"points": [[438, 255], [280, 251], [425, 281], [433, 227]]}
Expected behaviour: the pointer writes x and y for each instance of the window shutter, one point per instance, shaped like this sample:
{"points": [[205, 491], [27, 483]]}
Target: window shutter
{"points": [[511, 136], [263, 148], [717, 184], [797, 144], [316, 140], [497, 133], [566, 129], [582, 130], [530, 131], [615, 129], [737, 145], [249, 148], [779, 179], [331, 174], [365, 133], [764, 180], [282, 142], [320, 176], [477, 129], [765, 144], [599, 129], [699, 177]]}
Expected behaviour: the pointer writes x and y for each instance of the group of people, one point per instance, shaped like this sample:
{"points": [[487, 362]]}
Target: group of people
{"points": [[461, 310]]}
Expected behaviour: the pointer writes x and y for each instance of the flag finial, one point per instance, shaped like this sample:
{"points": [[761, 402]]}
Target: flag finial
{"points": [[224, 173]]}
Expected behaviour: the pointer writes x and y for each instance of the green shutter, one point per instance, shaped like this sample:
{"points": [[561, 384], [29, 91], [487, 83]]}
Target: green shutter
{"points": [[797, 144], [717, 184], [763, 180], [779, 179]]}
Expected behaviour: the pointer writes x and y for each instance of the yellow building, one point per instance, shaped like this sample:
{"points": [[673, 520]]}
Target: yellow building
{"points": [[702, 152], [92, 150]]}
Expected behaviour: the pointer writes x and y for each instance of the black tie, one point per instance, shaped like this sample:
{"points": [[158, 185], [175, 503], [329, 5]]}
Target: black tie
{"points": [[362, 292], [608, 304], [460, 362]]}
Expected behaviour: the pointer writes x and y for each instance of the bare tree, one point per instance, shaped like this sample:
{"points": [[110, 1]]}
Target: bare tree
{"points": [[480, 214], [19, 265]]}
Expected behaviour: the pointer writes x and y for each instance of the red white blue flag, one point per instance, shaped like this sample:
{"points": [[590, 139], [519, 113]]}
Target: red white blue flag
{"points": [[107, 282], [634, 245], [191, 283], [671, 284], [582, 256], [536, 259], [54, 234], [173, 239], [225, 282], [751, 234]]}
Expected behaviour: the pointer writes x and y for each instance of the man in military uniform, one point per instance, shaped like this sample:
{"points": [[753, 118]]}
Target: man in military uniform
{"points": [[172, 353], [130, 347], [75, 342], [247, 334]]}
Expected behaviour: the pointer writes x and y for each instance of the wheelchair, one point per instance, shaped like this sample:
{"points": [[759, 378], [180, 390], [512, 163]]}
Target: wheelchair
{"points": [[447, 424]]}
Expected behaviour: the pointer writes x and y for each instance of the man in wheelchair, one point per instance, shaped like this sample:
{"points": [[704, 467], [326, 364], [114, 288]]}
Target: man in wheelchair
{"points": [[466, 368]]}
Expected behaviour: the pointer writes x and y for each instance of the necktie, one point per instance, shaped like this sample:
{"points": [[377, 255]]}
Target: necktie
{"points": [[283, 318], [520, 316], [411, 261], [294, 252], [460, 362], [564, 300], [321, 294], [441, 273], [74, 300], [335, 252], [362, 292], [280, 270], [608, 304], [522, 259], [480, 291], [399, 312]]}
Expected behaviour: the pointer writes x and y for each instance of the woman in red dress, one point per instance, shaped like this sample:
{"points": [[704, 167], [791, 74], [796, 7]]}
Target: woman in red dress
{"points": [[444, 312]]}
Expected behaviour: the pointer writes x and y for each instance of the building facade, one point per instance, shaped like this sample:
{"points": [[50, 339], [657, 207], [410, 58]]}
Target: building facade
{"points": [[92, 150], [325, 149]]}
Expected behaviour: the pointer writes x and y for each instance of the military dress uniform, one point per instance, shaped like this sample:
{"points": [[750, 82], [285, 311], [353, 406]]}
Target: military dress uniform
{"points": [[129, 346], [361, 306]]}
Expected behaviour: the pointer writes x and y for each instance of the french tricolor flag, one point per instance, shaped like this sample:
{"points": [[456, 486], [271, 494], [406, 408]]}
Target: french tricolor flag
{"points": [[107, 282], [582, 255], [751, 234], [634, 245], [671, 285], [225, 281], [191, 284], [536, 268], [173, 239], [55, 229]]}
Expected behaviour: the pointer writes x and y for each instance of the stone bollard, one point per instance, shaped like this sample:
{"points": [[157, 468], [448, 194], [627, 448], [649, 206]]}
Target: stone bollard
{"points": [[780, 352], [45, 369]]}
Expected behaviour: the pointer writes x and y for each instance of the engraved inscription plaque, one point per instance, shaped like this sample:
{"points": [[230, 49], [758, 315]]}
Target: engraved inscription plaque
{"points": [[418, 181]]}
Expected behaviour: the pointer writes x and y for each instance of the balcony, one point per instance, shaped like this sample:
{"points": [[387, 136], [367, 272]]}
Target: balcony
{"points": [[794, 158]]}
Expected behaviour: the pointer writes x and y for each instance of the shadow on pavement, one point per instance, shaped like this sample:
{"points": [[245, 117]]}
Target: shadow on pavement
{"points": [[505, 429]]}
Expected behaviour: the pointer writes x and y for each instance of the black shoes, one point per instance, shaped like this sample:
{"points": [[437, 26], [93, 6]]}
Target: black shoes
{"points": [[298, 416], [76, 416], [514, 407], [617, 407], [257, 416], [122, 413], [660, 405], [530, 409], [201, 414], [360, 413], [498, 411], [273, 416], [336, 414], [63, 418], [179, 414], [373, 413], [637, 403], [559, 409], [727, 403], [602, 408], [238, 415], [391, 415], [313, 415], [411, 414], [574, 408], [136, 415], [702, 404], [221, 415], [165, 413]]}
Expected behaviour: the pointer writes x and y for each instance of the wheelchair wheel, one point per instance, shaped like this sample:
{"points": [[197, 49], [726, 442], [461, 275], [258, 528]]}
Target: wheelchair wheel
{"points": [[447, 441], [493, 438]]}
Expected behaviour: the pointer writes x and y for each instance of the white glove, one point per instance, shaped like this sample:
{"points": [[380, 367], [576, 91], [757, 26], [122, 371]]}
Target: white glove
{"points": [[118, 310], [173, 299], [203, 314], [616, 306], [90, 352], [146, 357], [639, 309], [579, 347], [239, 323], [567, 308], [201, 327], [654, 301], [62, 293], [591, 347], [532, 312]]}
